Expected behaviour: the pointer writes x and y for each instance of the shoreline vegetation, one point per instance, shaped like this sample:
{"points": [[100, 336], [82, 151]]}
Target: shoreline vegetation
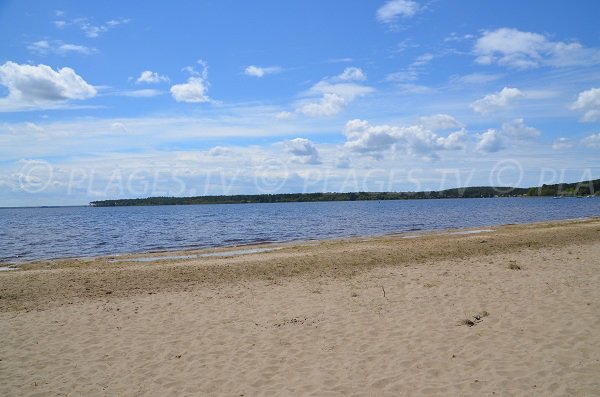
{"points": [[578, 189]]}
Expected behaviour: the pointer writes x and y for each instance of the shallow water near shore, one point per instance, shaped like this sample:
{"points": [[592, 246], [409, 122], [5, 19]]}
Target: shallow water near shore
{"points": [[28, 234]]}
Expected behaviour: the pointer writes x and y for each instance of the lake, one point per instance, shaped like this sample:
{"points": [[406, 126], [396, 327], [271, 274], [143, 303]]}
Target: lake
{"points": [[28, 234]]}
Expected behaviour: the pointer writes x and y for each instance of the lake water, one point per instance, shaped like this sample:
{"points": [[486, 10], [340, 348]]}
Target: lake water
{"points": [[43, 233]]}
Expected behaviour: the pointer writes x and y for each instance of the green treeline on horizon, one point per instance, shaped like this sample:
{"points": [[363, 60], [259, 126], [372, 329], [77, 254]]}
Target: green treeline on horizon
{"points": [[584, 188]]}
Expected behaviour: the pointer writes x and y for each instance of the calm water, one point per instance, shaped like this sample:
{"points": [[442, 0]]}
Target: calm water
{"points": [[43, 233]]}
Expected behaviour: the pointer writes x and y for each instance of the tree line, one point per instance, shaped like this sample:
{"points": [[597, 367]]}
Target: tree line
{"points": [[564, 189]]}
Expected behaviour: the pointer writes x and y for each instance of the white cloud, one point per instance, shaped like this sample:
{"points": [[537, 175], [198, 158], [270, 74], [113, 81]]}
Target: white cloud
{"points": [[513, 131], [218, 151], [329, 105], [44, 47], [562, 143], [455, 37], [94, 31], [415, 140], [392, 10], [89, 29], [150, 77], [284, 115], [303, 151], [257, 71], [348, 91], [523, 50], [518, 130], [592, 141], [440, 122], [194, 90], [364, 138], [490, 141], [588, 102], [32, 86], [332, 98], [499, 100], [352, 74]]}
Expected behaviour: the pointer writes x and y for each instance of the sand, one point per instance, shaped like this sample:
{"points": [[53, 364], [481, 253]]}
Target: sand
{"points": [[384, 316]]}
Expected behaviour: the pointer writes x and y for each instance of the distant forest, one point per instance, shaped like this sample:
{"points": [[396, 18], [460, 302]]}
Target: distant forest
{"points": [[584, 188]]}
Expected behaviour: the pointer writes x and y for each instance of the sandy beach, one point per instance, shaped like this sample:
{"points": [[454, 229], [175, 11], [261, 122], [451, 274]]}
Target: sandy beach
{"points": [[508, 310]]}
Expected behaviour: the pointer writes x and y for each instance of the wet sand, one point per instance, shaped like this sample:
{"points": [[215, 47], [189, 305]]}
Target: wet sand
{"points": [[506, 310]]}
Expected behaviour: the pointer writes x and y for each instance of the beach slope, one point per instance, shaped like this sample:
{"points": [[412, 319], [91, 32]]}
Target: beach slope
{"points": [[508, 310]]}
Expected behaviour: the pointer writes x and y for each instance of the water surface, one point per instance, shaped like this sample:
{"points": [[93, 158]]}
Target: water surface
{"points": [[43, 233]]}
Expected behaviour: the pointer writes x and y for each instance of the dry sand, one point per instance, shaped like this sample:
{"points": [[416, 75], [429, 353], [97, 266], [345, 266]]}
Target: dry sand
{"points": [[313, 319]]}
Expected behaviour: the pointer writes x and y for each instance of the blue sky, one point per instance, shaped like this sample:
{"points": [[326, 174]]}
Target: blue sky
{"points": [[123, 99]]}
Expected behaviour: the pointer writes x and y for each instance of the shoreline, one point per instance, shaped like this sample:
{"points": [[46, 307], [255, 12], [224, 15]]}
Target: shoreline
{"points": [[175, 251], [277, 260], [509, 312]]}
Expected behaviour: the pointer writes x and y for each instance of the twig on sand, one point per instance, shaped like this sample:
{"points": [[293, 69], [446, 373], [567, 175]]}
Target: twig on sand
{"points": [[383, 291]]}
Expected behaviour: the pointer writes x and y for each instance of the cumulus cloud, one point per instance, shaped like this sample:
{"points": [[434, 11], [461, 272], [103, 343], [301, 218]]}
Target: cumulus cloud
{"points": [[194, 90], [329, 98], [392, 10], [352, 74], [257, 71], [219, 151], [499, 100], [592, 141], [440, 122], [302, 151], [490, 141], [516, 49], [150, 77], [518, 130], [44, 47], [30, 85], [415, 140], [329, 105], [588, 102]]}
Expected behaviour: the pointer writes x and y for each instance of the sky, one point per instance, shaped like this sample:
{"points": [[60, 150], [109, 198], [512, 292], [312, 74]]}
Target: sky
{"points": [[114, 99]]}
